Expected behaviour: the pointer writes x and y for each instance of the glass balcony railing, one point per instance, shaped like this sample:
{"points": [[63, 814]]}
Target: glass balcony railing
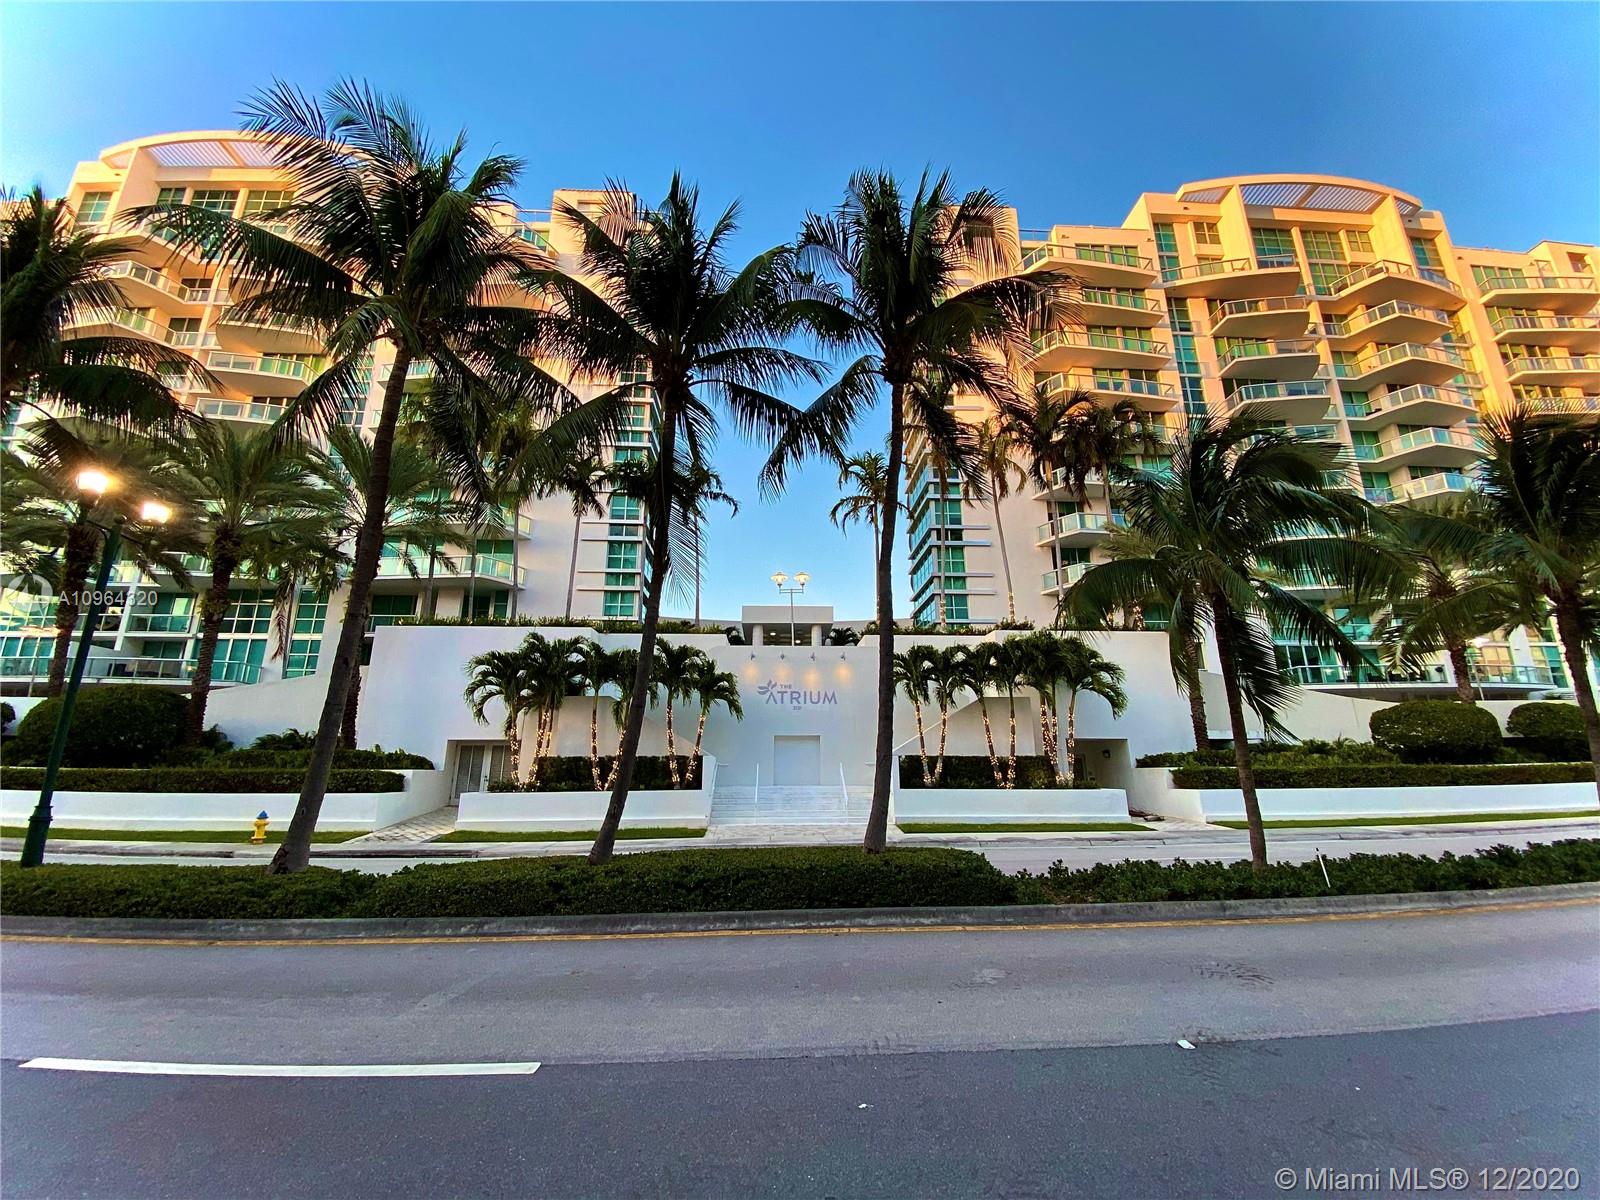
{"points": [[1518, 281], [1543, 322], [111, 669], [1419, 438], [1118, 256], [238, 410], [1222, 309], [1563, 362], [1292, 389], [1404, 352], [1085, 381], [1045, 342], [1389, 269], [1077, 523], [1266, 348], [1109, 298], [1356, 322], [1435, 485], [160, 622], [1415, 393], [1062, 577], [292, 368]]}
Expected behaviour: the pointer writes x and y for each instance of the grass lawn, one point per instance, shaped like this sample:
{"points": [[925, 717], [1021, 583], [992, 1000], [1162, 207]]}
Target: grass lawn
{"points": [[565, 835], [171, 835], [1090, 827], [1438, 819]]}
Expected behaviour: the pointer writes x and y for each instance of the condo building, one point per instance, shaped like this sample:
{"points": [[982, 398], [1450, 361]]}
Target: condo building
{"points": [[1336, 306]]}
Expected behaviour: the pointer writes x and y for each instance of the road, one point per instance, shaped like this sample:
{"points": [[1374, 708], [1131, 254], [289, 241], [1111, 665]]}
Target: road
{"points": [[1011, 1063]]}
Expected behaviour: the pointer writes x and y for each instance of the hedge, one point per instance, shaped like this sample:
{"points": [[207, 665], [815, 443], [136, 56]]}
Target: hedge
{"points": [[375, 759], [1551, 729], [1573, 861], [743, 880], [572, 773], [1437, 731], [974, 771], [1358, 775], [196, 779], [125, 725]]}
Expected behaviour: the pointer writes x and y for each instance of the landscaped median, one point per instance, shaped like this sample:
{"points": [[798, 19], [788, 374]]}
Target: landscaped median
{"points": [[745, 881]]}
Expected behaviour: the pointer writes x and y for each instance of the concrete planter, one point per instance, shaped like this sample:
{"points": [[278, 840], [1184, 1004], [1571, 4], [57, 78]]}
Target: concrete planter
{"points": [[1020, 806], [534, 812], [424, 791]]}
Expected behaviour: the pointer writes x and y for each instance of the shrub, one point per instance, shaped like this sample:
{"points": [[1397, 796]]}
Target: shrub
{"points": [[8, 714], [179, 893], [376, 758], [572, 774], [1437, 731], [693, 881], [1551, 729], [114, 725], [217, 778], [1573, 861], [973, 771], [289, 739], [1376, 775]]}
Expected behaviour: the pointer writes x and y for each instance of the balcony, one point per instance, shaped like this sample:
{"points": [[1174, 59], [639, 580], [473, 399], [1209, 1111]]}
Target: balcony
{"points": [[1102, 306], [1273, 317], [111, 669], [161, 624], [1419, 404], [1376, 284], [102, 322], [1575, 405], [1058, 487], [1062, 348], [1408, 362], [260, 376], [283, 335], [1075, 529], [1431, 447], [1296, 401], [1513, 288], [1435, 485], [1548, 329], [243, 412], [1564, 370], [1114, 266], [143, 285], [1289, 358], [1235, 278], [483, 568], [1147, 393], [1060, 579], [1396, 321]]}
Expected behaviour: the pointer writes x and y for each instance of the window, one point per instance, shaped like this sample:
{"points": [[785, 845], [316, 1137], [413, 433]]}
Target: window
{"points": [[1578, 263], [215, 200], [386, 610], [1272, 245], [248, 612], [619, 604], [94, 208], [956, 609], [485, 605], [622, 556], [170, 197], [624, 454], [1426, 253], [238, 660], [256, 203], [1358, 241], [1322, 244], [1205, 234], [1167, 250]]}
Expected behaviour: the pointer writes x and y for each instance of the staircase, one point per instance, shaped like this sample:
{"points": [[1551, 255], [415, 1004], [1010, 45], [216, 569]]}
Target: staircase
{"points": [[776, 805]]}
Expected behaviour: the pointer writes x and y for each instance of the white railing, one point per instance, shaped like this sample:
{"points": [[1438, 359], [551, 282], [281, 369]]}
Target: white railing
{"points": [[1087, 381], [1266, 348], [1062, 577], [1435, 485], [1045, 342], [1406, 352], [1390, 269], [226, 360], [1416, 392], [1221, 309], [238, 410], [1565, 362], [1117, 256], [1355, 322], [1513, 322], [1082, 522], [1429, 436], [1293, 389], [110, 669], [1517, 281]]}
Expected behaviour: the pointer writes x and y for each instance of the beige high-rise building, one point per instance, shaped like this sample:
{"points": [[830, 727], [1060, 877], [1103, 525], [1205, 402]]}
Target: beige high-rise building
{"points": [[1337, 306]]}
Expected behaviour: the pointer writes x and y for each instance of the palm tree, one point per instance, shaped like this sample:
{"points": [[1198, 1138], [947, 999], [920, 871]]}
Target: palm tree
{"points": [[389, 239], [627, 677], [593, 669], [678, 663], [502, 675], [1244, 507], [552, 677], [996, 461], [946, 681], [1085, 669], [711, 687], [977, 668], [912, 677], [1043, 656], [55, 278], [654, 300], [256, 506], [921, 329], [866, 475], [1008, 671]]}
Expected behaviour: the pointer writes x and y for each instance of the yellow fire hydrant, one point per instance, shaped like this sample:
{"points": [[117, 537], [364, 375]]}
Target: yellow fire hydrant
{"points": [[260, 835]]}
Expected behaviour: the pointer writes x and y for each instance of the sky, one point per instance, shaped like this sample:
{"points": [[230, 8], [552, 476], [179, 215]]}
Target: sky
{"points": [[1487, 112]]}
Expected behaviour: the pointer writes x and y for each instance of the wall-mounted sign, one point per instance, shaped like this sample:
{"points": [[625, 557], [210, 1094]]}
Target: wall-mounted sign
{"points": [[789, 696]]}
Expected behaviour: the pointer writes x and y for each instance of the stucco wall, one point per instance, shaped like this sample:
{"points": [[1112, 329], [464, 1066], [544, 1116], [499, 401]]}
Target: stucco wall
{"points": [[533, 811], [1010, 805]]}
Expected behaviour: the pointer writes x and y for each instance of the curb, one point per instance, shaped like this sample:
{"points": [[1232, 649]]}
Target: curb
{"points": [[843, 919]]}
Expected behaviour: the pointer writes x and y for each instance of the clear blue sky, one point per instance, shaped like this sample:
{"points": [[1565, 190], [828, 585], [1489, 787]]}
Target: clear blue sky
{"points": [[1488, 112]]}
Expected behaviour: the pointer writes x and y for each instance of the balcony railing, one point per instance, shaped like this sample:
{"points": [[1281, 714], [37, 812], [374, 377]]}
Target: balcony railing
{"points": [[1390, 401], [1356, 322], [1045, 342], [446, 566], [1418, 438], [1404, 352], [1292, 389], [1531, 322], [1066, 381], [1116, 256], [238, 410], [1266, 348], [1107, 298], [110, 669], [1519, 281], [1221, 309], [160, 622], [1062, 577], [1435, 485], [1562, 404], [1077, 523], [1390, 269], [1564, 362], [293, 368]]}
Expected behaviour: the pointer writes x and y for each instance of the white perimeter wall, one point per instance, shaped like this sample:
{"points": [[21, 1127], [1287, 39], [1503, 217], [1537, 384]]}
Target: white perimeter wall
{"points": [[533, 811]]}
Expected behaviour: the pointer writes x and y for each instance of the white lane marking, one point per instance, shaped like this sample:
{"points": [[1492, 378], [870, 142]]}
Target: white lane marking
{"points": [[1186, 1043], [291, 1070]]}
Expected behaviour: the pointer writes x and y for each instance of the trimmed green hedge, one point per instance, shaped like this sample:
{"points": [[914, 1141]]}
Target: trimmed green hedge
{"points": [[179, 893], [1437, 731], [114, 724], [1551, 729], [973, 771], [1574, 861], [377, 759], [572, 773], [196, 779], [1400, 774]]}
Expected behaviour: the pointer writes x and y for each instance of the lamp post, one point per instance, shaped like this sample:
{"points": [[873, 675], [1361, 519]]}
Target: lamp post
{"points": [[96, 483], [801, 578]]}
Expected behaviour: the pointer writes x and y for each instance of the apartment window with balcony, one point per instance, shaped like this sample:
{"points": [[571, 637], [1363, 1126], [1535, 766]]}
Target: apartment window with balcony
{"points": [[185, 331], [238, 660], [1271, 244], [1324, 258], [1344, 363], [1358, 241], [486, 605], [386, 610], [1426, 252], [1356, 404], [93, 209], [1167, 250], [1487, 277], [1205, 233], [217, 200]]}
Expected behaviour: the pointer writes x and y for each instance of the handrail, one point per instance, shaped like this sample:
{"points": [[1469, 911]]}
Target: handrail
{"points": [[1049, 340], [1555, 362], [1387, 267], [1355, 322], [1531, 321], [1513, 278], [844, 793], [1087, 381], [1266, 348], [1115, 256], [1236, 308], [1377, 405]]}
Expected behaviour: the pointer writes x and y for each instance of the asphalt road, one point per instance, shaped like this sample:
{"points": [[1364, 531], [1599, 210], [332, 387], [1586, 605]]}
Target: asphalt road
{"points": [[1003, 1063]]}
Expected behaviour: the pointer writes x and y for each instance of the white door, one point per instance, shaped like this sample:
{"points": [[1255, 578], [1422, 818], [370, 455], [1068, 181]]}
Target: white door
{"points": [[796, 761], [476, 765]]}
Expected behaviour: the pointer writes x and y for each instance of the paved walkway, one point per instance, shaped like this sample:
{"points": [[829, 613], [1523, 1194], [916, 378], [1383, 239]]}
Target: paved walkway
{"points": [[414, 830]]}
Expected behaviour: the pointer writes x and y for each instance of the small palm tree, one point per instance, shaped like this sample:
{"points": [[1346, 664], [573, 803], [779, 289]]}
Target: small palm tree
{"points": [[912, 678], [866, 476], [1085, 669], [257, 506], [677, 664], [978, 670], [946, 682], [1044, 664], [594, 668], [897, 290], [626, 677], [1008, 672], [1245, 507], [552, 677], [711, 687], [501, 675], [998, 465]]}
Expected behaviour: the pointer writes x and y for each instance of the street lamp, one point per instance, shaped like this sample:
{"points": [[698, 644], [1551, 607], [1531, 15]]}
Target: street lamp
{"points": [[801, 578], [95, 483]]}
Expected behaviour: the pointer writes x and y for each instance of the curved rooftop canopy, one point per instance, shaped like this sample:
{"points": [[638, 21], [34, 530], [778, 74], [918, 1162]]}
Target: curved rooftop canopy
{"points": [[1331, 193]]}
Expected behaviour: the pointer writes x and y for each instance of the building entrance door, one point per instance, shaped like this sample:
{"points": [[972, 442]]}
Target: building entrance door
{"points": [[796, 761]]}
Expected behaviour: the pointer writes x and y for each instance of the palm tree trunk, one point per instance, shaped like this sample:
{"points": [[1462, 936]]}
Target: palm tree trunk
{"points": [[1072, 738], [944, 735], [672, 746], [433, 596], [1005, 562], [514, 745], [77, 559], [1570, 631], [594, 742], [1221, 615], [659, 558], [295, 851], [988, 737], [572, 565], [1461, 668], [352, 701], [213, 608], [1011, 756], [877, 833], [700, 733], [1196, 696], [516, 556]]}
